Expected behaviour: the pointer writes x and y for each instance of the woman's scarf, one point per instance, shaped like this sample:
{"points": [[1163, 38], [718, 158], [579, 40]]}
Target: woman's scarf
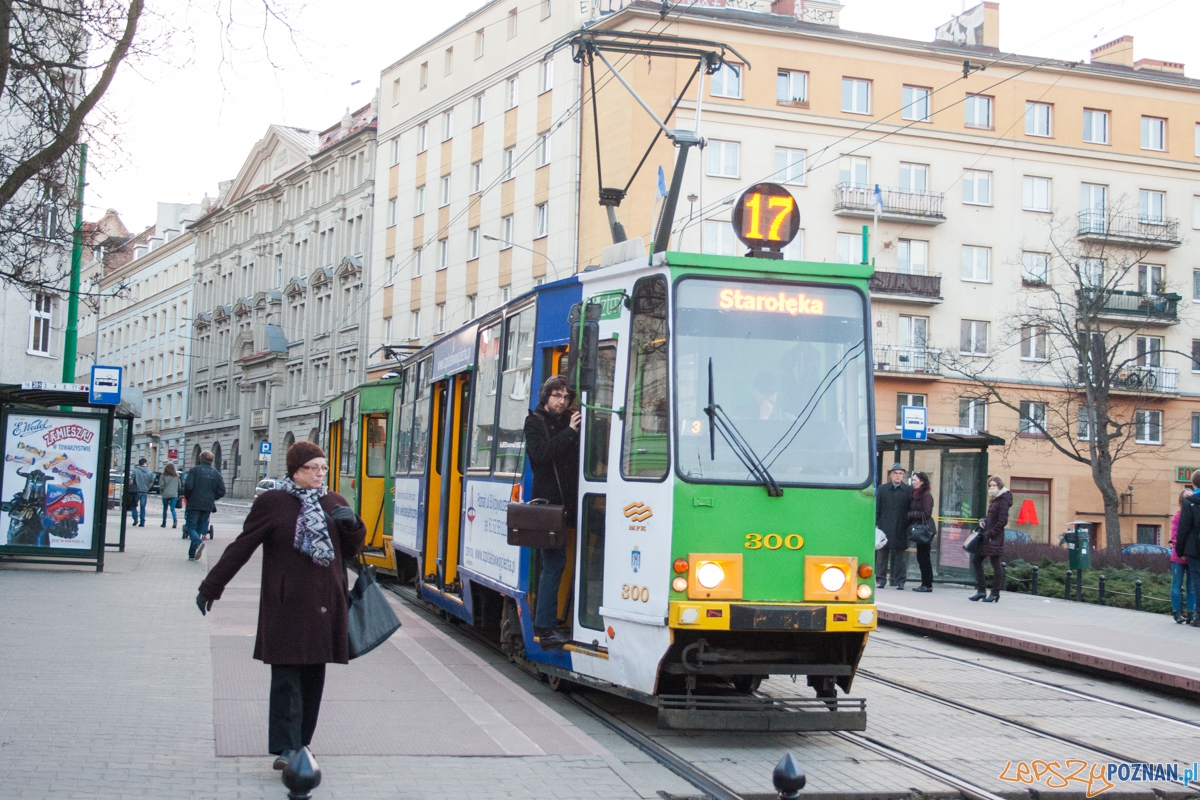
{"points": [[312, 532]]}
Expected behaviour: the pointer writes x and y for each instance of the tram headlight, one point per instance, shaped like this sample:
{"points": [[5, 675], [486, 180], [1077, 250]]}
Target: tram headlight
{"points": [[864, 592], [833, 579], [709, 575]]}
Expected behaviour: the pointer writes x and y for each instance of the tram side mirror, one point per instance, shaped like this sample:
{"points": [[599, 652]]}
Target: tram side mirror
{"points": [[583, 355]]}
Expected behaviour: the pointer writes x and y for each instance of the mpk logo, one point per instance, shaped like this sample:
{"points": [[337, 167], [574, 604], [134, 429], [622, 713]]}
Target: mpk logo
{"points": [[638, 512]]}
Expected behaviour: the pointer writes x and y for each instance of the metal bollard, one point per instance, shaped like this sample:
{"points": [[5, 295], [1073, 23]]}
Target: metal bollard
{"points": [[1079, 587], [1033, 589], [788, 778], [1003, 576], [1067, 586], [1101, 590], [301, 775], [1137, 595]]}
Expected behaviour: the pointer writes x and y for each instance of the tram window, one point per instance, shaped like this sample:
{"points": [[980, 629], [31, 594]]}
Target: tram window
{"points": [[644, 449], [599, 422], [515, 391], [487, 386], [405, 396], [349, 458], [591, 565], [420, 434], [376, 447], [464, 388]]}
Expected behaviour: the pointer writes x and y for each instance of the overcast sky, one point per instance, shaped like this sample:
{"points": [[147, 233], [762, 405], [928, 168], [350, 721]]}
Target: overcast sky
{"points": [[189, 123]]}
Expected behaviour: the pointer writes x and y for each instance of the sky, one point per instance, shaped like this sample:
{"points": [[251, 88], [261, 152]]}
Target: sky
{"points": [[187, 118]]}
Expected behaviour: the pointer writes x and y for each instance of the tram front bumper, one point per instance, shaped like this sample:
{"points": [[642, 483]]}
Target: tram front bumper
{"points": [[718, 616]]}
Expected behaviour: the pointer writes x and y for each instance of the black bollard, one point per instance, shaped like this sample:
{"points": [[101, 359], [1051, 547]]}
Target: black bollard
{"points": [[1067, 586], [301, 775], [788, 778], [1033, 582], [1101, 590], [1137, 595]]}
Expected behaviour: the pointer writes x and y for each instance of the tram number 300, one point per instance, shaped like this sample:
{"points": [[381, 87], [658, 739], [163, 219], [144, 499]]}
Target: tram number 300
{"points": [[773, 541], [635, 592]]}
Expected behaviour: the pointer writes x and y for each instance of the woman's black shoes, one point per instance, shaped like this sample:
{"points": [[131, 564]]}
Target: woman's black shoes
{"points": [[923, 589], [979, 595], [992, 598]]}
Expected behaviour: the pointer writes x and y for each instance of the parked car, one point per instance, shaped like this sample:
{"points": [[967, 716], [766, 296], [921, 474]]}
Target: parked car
{"points": [[1014, 535], [265, 485], [1145, 549], [154, 487], [116, 487]]}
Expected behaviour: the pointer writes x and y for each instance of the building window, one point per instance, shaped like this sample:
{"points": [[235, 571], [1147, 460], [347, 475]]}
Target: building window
{"points": [[856, 96], [1035, 193], [449, 61], [1085, 423], [1035, 268], [543, 220], [854, 171], [978, 112], [424, 81], [40, 317], [422, 137], [391, 212], [973, 340], [448, 125], [1196, 286], [479, 43], [912, 257], [1033, 343], [1195, 429], [972, 413], [514, 91], [1149, 351], [1149, 426], [512, 23], [915, 101], [905, 399], [1154, 133], [1151, 207], [1037, 119], [477, 109], [726, 81], [472, 244], [977, 188], [719, 239], [1196, 212], [390, 266], [476, 177], [722, 158], [418, 261], [792, 87], [416, 324], [849, 248], [789, 166], [1151, 279], [1149, 534], [794, 250], [544, 149], [472, 306], [914, 178], [976, 264], [419, 201], [445, 195], [545, 9], [1095, 126], [443, 253], [441, 317], [507, 163], [507, 226], [1032, 419], [548, 74], [395, 91], [914, 332], [505, 293]]}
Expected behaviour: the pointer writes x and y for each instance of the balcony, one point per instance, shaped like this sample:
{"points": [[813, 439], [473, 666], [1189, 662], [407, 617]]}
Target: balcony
{"points": [[905, 287], [916, 361], [1132, 229], [259, 418], [152, 427], [1143, 380], [921, 208], [1139, 307]]}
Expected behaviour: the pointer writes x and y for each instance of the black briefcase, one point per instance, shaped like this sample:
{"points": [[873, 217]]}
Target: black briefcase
{"points": [[537, 523]]}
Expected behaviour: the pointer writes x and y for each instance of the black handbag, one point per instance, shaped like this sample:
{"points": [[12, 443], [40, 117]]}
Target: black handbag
{"points": [[372, 619], [920, 533], [974, 541], [539, 523]]}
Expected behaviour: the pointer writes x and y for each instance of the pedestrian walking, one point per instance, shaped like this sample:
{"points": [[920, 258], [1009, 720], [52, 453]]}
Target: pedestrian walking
{"points": [[552, 445], [920, 512], [202, 489], [999, 502], [1187, 545], [891, 517], [141, 479], [168, 485], [306, 532], [1179, 568]]}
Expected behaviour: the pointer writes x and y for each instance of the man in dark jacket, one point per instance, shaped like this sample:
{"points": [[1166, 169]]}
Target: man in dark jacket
{"points": [[552, 445], [891, 517], [202, 489], [140, 479], [1187, 544]]}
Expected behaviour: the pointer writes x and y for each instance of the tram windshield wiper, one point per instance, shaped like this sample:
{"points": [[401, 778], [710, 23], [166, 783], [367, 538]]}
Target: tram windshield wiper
{"points": [[719, 422]]}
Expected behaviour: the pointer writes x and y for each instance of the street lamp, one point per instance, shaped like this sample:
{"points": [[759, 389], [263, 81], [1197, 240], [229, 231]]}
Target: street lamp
{"points": [[553, 266]]}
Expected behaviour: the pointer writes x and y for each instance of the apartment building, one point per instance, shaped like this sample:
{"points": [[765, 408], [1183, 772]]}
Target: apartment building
{"points": [[985, 181], [104, 249], [144, 326], [280, 309], [479, 151]]}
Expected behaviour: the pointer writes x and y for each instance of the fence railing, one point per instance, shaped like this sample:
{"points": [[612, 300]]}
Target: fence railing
{"points": [[914, 206], [912, 360], [1152, 307], [1154, 232], [907, 284]]}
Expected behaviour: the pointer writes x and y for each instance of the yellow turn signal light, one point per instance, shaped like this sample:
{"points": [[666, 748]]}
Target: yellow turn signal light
{"points": [[681, 565], [865, 571]]}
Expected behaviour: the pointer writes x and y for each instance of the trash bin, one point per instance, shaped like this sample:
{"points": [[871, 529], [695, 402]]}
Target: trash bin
{"points": [[1078, 541]]}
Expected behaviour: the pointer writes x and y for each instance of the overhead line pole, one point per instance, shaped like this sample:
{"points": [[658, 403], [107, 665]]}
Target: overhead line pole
{"points": [[71, 340]]}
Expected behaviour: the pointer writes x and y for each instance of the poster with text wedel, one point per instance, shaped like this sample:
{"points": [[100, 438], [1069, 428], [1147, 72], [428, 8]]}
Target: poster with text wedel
{"points": [[49, 486]]}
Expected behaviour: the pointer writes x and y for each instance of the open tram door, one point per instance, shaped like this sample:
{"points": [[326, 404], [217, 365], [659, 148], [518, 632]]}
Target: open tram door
{"points": [[333, 451], [373, 491]]}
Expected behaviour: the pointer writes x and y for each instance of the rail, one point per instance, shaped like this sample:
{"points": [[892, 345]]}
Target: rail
{"points": [[1155, 232], [1073, 585], [921, 207], [1152, 307], [904, 283], [908, 360]]}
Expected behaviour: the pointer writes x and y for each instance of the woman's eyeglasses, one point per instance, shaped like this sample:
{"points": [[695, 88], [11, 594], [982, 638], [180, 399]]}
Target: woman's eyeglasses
{"points": [[318, 468]]}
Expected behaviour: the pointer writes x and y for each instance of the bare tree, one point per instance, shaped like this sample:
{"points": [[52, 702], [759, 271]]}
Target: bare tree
{"points": [[1090, 377]]}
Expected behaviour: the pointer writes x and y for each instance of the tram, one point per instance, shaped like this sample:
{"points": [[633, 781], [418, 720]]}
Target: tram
{"points": [[726, 504]]}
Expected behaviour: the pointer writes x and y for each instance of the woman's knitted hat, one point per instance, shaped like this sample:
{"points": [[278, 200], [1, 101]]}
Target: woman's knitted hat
{"points": [[300, 454]]}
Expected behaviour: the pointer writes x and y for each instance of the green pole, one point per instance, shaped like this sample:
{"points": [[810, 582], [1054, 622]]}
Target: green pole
{"points": [[865, 244], [71, 340]]}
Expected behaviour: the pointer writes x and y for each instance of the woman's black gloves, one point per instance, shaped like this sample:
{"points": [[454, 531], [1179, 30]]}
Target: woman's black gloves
{"points": [[204, 604]]}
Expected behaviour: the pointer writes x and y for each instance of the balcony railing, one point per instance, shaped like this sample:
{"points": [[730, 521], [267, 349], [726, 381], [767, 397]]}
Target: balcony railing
{"points": [[259, 417], [923, 208], [908, 360], [1156, 234], [1150, 308], [923, 287], [1148, 380]]}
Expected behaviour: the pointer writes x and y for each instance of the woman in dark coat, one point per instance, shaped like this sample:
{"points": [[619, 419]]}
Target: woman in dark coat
{"points": [[992, 547], [920, 512], [305, 532]]}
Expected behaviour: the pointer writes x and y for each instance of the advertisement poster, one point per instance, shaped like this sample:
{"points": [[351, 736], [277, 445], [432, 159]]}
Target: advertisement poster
{"points": [[49, 484], [953, 534], [485, 533], [407, 514]]}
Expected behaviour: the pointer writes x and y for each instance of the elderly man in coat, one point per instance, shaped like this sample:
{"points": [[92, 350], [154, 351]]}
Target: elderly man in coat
{"points": [[891, 517]]}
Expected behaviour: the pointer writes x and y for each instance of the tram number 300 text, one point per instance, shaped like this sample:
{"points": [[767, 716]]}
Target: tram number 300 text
{"points": [[635, 592], [773, 541]]}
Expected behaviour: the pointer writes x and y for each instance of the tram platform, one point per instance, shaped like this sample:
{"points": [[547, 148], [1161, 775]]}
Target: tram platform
{"points": [[1144, 648]]}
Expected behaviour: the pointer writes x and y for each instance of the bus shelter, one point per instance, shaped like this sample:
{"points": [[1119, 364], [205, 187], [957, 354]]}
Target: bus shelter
{"points": [[956, 461]]}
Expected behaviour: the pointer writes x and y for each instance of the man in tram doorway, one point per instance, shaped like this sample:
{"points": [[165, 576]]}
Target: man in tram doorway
{"points": [[552, 445], [891, 517]]}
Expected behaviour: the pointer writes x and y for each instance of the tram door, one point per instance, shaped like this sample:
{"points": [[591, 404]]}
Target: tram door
{"points": [[334, 453], [443, 532], [372, 482]]}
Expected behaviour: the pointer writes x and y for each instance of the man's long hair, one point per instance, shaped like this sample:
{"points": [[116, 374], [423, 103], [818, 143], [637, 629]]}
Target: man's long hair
{"points": [[552, 385]]}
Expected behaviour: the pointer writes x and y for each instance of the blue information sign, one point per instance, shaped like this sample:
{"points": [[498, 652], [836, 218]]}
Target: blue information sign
{"points": [[913, 423], [106, 386]]}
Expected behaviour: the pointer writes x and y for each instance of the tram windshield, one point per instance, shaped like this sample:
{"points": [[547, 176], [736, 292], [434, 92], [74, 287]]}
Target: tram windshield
{"points": [[788, 371]]}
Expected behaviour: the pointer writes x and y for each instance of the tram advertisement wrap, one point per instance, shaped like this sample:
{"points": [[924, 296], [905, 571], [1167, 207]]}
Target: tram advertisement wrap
{"points": [[407, 516], [49, 481], [485, 524]]}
